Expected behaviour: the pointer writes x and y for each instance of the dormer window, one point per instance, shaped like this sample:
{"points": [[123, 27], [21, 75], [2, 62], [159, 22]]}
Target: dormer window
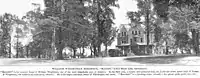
{"points": [[123, 33], [135, 32]]}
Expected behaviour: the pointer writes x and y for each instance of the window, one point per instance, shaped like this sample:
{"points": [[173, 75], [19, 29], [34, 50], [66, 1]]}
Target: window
{"points": [[123, 42], [131, 40], [124, 33], [135, 32], [132, 32], [141, 40], [135, 39], [139, 32]]}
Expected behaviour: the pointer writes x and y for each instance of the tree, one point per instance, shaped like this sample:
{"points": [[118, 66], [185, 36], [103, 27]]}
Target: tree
{"points": [[109, 37], [135, 17], [68, 22], [161, 8], [184, 6], [184, 16], [145, 8], [167, 36], [102, 17], [40, 30], [72, 18], [6, 22]]}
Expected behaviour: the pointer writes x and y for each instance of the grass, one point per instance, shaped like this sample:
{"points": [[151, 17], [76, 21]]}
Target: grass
{"points": [[164, 59], [109, 61]]}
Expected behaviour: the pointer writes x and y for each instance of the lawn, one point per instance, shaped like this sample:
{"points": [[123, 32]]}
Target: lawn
{"points": [[109, 61]]}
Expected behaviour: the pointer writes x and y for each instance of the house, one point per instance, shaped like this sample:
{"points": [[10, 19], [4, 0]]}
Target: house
{"points": [[131, 39]]}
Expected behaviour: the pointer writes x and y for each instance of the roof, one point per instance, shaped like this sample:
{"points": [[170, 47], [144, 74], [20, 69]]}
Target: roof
{"points": [[129, 27], [124, 27]]}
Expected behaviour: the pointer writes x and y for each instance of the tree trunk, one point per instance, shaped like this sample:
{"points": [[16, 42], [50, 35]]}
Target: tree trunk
{"points": [[10, 50], [80, 54], [99, 29], [106, 50], [99, 51], [83, 51], [74, 53], [1, 51], [167, 50], [60, 44], [91, 51], [95, 51], [27, 51], [195, 41], [53, 47], [147, 30], [182, 51], [189, 51], [39, 54], [17, 50], [60, 54]]}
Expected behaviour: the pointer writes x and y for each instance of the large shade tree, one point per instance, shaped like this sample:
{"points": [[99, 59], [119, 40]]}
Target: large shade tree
{"points": [[8, 22], [70, 21], [102, 17], [189, 11]]}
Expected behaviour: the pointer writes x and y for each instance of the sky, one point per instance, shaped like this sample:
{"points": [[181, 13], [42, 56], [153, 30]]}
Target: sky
{"points": [[20, 7]]}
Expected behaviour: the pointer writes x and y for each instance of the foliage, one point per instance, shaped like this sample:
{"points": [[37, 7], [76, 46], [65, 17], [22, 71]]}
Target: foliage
{"points": [[7, 22], [185, 15], [135, 17], [19, 47], [71, 30], [101, 16]]}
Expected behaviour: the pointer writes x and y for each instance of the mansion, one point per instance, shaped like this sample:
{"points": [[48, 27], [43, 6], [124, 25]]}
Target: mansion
{"points": [[132, 39]]}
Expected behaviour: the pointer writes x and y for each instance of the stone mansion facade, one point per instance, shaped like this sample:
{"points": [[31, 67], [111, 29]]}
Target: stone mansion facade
{"points": [[131, 39]]}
